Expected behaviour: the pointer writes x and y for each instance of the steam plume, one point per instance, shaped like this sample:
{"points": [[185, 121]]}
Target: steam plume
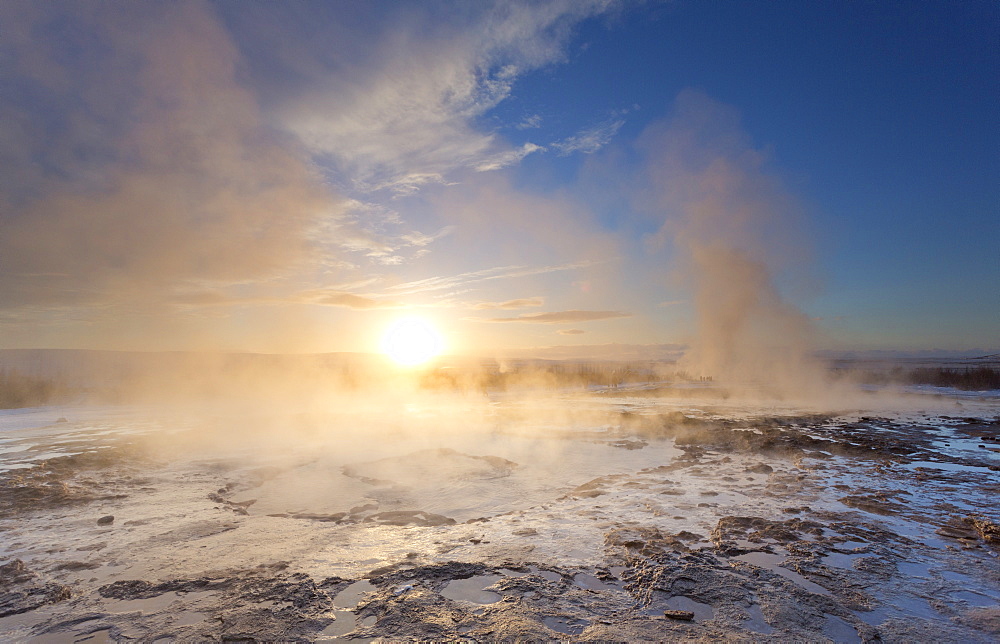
{"points": [[733, 227], [163, 175]]}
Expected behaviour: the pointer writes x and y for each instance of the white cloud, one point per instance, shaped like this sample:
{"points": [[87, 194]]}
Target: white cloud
{"points": [[530, 122], [405, 114], [589, 140], [509, 158], [373, 231], [345, 300], [501, 272], [419, 239], [560, 317], [521, 303]]}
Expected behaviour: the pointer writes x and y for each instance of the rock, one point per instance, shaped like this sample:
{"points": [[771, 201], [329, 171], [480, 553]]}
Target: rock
{"points": [[78, 565], [106, 520], [988, 530], [985, 619], [61, 420], [876, 503], [18, 596], [685, 615], [94, 546], [15, 572], [970, 528]]}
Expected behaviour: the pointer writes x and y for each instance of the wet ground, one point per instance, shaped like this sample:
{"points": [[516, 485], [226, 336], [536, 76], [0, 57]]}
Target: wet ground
{"points": [[616, 515]]}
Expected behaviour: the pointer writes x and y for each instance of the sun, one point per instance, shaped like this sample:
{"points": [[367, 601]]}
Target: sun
{"points": [[411, 341]]}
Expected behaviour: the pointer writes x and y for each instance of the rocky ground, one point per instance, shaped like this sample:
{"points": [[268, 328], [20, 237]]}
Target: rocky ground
{"points": [[653, 523]]}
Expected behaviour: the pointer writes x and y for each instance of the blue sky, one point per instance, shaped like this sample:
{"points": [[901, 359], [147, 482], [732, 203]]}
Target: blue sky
{"points": [[575, 177]]}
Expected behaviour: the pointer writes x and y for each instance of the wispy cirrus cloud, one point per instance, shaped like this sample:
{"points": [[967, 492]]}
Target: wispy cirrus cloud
{"points": [[498, 273], [560, 317], [589, 140], [346, 300], [378, 233], [530, 122], [405, 115], [570, 331], [421, 240], [508, 158], [522, 303], [214, 298]]}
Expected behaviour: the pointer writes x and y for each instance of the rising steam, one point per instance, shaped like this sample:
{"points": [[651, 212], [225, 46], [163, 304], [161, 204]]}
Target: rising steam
{"points": [[733, 226]]}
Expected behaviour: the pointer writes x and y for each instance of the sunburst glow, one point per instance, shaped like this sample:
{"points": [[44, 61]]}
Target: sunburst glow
{"points": [[411, 341]]}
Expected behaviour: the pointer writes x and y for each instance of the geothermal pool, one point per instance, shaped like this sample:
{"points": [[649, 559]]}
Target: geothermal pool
{"points": [[624, 514]]}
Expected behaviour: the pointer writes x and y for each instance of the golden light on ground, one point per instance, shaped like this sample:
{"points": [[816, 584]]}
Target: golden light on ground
{"points": [[411, 341]]}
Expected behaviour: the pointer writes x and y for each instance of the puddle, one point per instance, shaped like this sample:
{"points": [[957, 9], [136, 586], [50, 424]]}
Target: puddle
{"points": [[903, 605], [947, 467], [914, 569], [840, 631], [702, 612], [590, 582], [951, 575], [974, 599], [566, 625], [852, 545], [350, 596], [840, 560], [102, 636], [771, 562], [757, 623], [471, 589], [917, 532], [547, 575], [344, 623], [154, 604]]}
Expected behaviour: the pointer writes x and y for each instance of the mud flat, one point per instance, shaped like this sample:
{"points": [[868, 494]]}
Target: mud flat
{"points": [[599, 516]]}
